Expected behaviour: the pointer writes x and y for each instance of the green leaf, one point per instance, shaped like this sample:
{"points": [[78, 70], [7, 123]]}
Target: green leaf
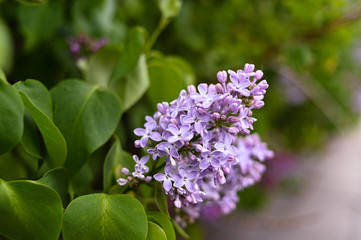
{"points": [[103, 216], [38, 24], [87, 115], [129, 57], [163, 221], [133, 86], [166, 80], [170, 8], [6, 49], [29, 210], [37, 101], [12, 117], [184, 68], [33, 2], [57, 179], [11, 168], [155, 232], [31, 138], [115, 160], [161, 200], [99, 68], [3, 76]]}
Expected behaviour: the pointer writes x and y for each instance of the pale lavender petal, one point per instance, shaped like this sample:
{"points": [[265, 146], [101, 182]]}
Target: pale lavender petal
{"points": [[143, 141], [144, 159], [203, 164], [192, 175], [159, 177], [188, 136], [215, 162], [182, 172], [173, 129], [156, 136], [167, 184], [173, 152], [190, 186], [244, 92], [173, 139], [179, 183], [198, 127], [168, 169], [139, 131], [203, 88]]}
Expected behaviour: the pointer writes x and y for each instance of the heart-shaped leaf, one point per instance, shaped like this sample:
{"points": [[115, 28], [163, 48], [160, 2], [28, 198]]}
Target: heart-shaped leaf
{"points": [[87, 115], [155, 232], [103, 216], [12, 117], [163, 221], [37, 101], [29, 210]]}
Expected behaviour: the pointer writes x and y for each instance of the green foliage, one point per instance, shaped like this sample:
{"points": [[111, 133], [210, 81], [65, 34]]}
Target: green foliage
{"points": [[102, 216], [33, 2], [29, 211], [6, 48], [58, 179], [11, 121], [155, 232], [37, 101], [87, 115], [115, 160], [164, 222], [165, 77]]}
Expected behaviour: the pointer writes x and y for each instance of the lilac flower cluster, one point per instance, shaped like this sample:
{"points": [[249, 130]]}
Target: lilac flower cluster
{"points": [[198, 135], [139, 170], [222, 199], [81, 46]]}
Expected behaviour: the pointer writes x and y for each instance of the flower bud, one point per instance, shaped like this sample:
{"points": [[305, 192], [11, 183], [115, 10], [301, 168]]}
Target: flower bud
{"points": [[137, 143], [215, 115], [219, 88], [148, 178], [222, 76], [259, 75], [191, 89], [233, 130], [248, 68], [223, 117], [125, 171], [233, 119]]}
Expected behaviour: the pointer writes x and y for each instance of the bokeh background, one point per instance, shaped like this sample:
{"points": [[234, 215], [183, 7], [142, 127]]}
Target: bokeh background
{"points": [[309, 51]]}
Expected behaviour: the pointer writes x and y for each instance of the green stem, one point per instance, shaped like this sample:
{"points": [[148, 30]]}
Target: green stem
{"points": [[163, 22]]}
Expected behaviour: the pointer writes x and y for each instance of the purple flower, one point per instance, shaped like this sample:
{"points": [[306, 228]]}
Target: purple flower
{"points": [[240, 82], [185, 178], [206, 162], [181, 134], [166, 177], [140, 164], [147, 133]]}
